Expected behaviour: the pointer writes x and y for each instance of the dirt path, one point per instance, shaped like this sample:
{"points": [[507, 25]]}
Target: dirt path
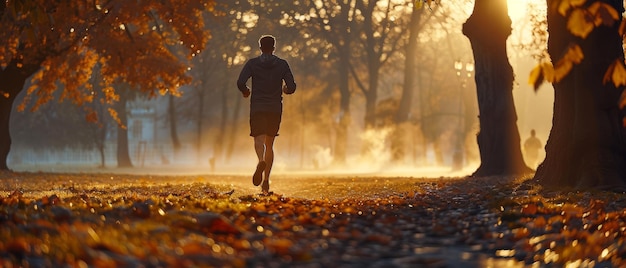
{"points": [[122, 220]]}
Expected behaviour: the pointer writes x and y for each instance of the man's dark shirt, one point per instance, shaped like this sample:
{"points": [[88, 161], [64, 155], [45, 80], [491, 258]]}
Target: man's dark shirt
{"points": [[268, 73]]}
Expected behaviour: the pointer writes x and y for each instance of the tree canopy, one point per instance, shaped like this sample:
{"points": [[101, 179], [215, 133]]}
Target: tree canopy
{"points": [[145, 44]]}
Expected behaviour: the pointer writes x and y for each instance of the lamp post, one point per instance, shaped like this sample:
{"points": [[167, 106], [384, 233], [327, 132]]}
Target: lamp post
{"points": [[463, 72]]}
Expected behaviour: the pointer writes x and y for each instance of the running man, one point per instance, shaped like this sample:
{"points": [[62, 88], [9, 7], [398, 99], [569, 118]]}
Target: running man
{"points": [[266, 104], [532, 145]]}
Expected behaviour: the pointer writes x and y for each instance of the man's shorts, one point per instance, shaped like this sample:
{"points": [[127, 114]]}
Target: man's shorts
{"points": [[264, 123]]}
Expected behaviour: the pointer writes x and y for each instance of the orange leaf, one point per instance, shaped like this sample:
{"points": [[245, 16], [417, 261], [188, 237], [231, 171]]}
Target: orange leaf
{"points": [[536, 77], [548, 71], [562, 69], [544, 72], [616, 73], [609, 73], [565, 5], [575, 54], [603, 13], [619, 74], [580, 23]]}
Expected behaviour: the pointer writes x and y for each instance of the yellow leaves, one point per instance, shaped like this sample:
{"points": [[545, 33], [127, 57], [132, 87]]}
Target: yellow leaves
{"points": [[603, 13], [574, 55], [616, 73], [545, 71], [420, 3], [113, 114], [542, 72], [582, 21], [109, 94], [566, 5]]}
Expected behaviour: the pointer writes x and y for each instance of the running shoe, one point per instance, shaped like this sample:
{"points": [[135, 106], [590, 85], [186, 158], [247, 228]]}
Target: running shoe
{"points": [[257, 178]]}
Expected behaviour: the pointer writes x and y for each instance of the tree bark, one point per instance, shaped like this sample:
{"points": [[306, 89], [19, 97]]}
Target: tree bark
{"points": [[218, 143], [344, 119], [199, 126], [398, 142], [587, 143], [498, 140], [171, 114], [234, 129], [371, 96], [123, 156]]}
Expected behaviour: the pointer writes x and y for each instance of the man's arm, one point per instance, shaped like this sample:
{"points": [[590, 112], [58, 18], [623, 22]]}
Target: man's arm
{"points": [[243, 78], [290, 84]]}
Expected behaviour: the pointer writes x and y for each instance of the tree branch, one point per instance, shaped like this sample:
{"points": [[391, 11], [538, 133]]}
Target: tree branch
{"points": [[357, 80]]}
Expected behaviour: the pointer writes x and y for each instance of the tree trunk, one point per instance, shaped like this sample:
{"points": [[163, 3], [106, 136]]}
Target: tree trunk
{"points": [[171, 114], [498, 140], [12, 80], [343, 120], [199, 127], [233, 129], [398, 142], [371, 97], [102, 156], [101, 133], [219, 140], [123, 156], [6, 105], [587, 144]]}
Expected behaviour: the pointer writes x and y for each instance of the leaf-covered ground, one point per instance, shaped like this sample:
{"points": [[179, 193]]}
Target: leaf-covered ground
{"points": [[113, 220]]}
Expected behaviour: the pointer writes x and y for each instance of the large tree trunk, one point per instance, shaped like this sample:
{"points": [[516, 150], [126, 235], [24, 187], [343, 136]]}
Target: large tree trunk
{"points": [[587, 143], [123, 156], [498, 140], [12, 80]]}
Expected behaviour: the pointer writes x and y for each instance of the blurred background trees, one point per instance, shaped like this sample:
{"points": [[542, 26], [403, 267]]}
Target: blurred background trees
{"points": [[378, 88]]}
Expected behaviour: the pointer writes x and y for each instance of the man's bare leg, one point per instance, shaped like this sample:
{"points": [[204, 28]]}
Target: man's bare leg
{"points": [[269, 160], [259, 148]]}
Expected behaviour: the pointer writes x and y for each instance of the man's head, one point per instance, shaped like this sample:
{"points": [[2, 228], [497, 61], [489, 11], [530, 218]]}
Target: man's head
{"points": [[267, 43]]}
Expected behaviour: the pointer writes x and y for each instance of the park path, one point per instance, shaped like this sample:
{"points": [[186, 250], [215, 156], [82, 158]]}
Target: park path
{"points": [[434, 222]]}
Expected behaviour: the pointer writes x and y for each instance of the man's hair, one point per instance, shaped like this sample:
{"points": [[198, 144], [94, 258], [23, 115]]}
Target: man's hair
{"points": [[267, 43]]}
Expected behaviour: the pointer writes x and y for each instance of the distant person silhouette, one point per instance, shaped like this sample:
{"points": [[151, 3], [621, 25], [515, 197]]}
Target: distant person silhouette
{"points": [[532, 145], [266, 104]]}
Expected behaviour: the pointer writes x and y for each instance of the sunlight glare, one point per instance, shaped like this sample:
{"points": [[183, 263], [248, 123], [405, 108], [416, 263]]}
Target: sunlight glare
{"points": [[518, 9]]}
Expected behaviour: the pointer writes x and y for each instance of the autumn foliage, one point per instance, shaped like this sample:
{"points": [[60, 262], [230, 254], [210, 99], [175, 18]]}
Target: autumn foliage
{"points": [[145, 44], [582, 19], [112, 220]]}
